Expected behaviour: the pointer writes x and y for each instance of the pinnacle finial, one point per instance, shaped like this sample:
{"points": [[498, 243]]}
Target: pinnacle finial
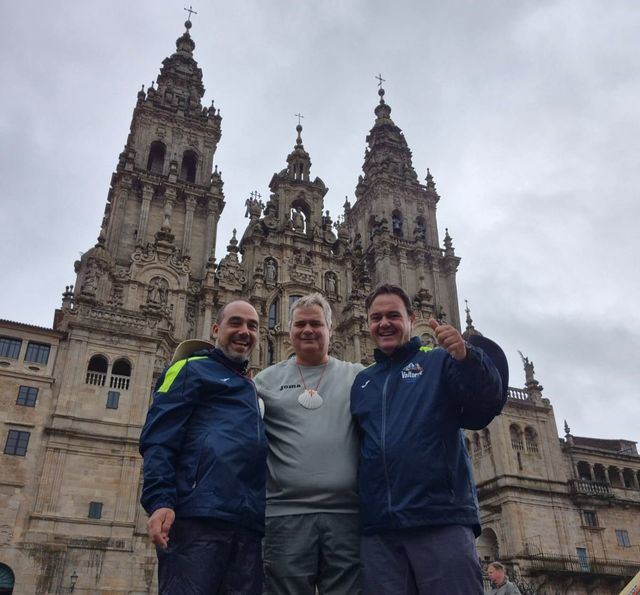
{"points": [[380, 88], [567, 429], [187, 23], [299, 128], [468, 312]]}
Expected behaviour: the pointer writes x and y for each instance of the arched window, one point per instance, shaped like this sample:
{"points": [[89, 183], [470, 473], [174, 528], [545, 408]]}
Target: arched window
{"points": [[396, 223], [273, 315], [531, 439], [516, 437], [7, 580], [599, 473], [584, 471], [614, 477], [487, 545], [271, 358], [120, 374], [292, 300], [155, 163], [189, 166], [627, 475], [97, 370]]}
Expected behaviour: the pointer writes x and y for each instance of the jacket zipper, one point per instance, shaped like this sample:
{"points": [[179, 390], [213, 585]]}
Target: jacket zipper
{"points": [[384, 435]]}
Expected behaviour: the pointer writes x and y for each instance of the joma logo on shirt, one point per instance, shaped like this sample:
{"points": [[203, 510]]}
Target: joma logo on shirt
{"points": [[286, 386], [411, 372]]}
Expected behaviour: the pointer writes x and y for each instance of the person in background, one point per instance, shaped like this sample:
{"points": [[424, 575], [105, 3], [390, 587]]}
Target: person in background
{"points": [[501, 584]]}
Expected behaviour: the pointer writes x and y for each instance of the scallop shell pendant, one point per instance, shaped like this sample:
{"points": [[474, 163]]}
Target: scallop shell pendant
{"points": [[310, 399]]}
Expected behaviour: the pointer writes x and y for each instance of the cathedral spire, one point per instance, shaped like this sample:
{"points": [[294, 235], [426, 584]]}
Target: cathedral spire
{"points": [[470, 330], [299, 162], [387, 157]]}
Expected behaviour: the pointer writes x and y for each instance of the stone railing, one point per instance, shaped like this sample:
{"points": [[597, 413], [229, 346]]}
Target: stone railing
{"points": [[552, 563], [519, 394], [119, 382], [96, 378], [583, 487]]}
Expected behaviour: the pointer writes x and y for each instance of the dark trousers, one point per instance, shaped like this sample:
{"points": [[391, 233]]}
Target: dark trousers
{"points": [[422, 561], [303, 552], [210, 557]]}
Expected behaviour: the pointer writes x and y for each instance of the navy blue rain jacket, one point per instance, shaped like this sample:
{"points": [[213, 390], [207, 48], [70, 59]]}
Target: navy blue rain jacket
{"points": [[204, 444], [409, 408]]}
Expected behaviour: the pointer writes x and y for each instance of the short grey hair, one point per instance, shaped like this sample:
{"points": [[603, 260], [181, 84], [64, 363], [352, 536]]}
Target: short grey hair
{"points": [[313, 299], [498, 566]]}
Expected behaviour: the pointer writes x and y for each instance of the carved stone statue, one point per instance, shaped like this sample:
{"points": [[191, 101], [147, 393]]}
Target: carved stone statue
{"points": [[330, 284], [396, 223], [298, 220], [270, 271]]}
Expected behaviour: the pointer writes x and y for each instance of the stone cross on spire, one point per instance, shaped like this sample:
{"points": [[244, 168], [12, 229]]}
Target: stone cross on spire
{"points": [[190, 11], [299, 116], [380, 80]]}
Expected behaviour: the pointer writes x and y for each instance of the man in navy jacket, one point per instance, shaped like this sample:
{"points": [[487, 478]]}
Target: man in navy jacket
{"points": [[418, 501], [205, 450]]}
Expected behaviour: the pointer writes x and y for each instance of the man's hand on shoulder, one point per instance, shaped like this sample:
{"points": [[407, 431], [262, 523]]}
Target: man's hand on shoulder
{"points": [[450, 339], [159, 524]]}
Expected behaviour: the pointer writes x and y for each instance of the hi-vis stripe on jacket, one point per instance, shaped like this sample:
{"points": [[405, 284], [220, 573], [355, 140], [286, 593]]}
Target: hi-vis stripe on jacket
{"points": [[204, 445]]}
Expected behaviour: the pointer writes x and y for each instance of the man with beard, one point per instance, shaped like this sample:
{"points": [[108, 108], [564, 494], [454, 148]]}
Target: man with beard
{"points": [[204, 452]]}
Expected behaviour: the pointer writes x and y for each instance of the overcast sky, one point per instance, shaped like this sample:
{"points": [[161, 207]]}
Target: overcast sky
{"points": [[527, 114]]}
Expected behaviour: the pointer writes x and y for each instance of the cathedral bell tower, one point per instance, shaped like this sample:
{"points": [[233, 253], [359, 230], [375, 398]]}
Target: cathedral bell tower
{"points": [[290, 248], [157, 240], [147, 284], [393, 226]]}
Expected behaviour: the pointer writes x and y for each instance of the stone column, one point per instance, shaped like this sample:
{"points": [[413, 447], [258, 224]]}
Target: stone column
{"points": [[147, 195], [190, 207], [607, 479], [169, 199], [356, 347], [212, 228]]}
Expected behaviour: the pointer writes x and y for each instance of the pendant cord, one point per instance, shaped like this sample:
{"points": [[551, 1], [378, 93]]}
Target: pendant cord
{"points": [[315, 390]]}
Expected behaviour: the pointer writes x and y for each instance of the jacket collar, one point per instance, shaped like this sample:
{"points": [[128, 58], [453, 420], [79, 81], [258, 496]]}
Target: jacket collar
{"points": [[401, 353], [236, 366], [219, 356]]}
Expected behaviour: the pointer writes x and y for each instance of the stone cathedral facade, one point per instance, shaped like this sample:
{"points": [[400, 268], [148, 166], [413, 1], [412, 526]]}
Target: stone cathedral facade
{"points": [[71, 472]]}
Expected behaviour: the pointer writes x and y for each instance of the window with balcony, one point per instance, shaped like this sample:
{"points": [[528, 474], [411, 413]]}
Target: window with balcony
{"points": [[531, 440], [97, 370], [583, 559], [17, 442], [10, 347], [27, 396], [622, 537], [37, 353], [120, 374], [517, 442]]}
